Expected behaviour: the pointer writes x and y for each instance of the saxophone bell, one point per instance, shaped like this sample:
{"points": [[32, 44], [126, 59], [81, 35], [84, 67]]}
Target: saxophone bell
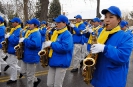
{"points": [[42, 53], [89, 62], [3, 42], [17, 47]]}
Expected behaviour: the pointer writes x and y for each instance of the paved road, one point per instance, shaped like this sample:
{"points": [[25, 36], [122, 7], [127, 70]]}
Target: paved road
{"points": [[71, 79]]}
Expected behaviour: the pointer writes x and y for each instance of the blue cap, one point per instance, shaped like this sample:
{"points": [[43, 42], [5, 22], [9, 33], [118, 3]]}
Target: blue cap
{"points": [[113, 10], [61, 18], [34, 21], [15, 19], [123, 23], [43, 22], [1, 19], [126, 22], [78, 16], [85, 22], [27, 22], [96, 20]]}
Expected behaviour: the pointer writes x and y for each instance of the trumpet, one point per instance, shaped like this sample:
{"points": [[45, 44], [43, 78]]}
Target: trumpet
{"points": [[87, 29]]}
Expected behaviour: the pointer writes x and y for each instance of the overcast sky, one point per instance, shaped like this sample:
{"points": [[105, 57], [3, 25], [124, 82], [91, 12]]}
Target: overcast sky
{"points": [[82, 6]]}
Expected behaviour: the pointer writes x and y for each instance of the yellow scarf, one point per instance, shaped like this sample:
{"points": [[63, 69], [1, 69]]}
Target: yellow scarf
{"points": [[54, 37], [25, 27], [2, 24], [42, 27], [104, 34], [77, 24], [13, 29], [30, 32], [96, 31]]}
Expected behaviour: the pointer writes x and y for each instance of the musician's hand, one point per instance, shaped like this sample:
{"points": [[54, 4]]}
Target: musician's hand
{"points": [[21, 40], [96, 48], [89, 29], [46, 44], [72, 25], [7, 35]]}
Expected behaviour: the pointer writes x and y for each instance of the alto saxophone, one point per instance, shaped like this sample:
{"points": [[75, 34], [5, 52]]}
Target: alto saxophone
{"points": [[19, 48], [89, 63], [45, 52], [5, 42]]}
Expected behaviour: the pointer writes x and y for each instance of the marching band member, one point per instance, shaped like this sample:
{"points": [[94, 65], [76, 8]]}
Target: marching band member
{"points": [[124, 26], [26, 26], [97, 28], [13, 40], [32, 45], [61, 48], [114, 49], [43, 30], [78, 40], [2, 34]]}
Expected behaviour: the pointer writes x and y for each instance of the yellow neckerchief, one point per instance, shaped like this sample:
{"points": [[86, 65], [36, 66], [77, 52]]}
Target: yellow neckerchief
{"points": [[42, 27], [30, 32], [2, 24], [96, 28], [104, 34], [96, 31], [54, 37], [13, 29], [77, 24], [25, 27]]}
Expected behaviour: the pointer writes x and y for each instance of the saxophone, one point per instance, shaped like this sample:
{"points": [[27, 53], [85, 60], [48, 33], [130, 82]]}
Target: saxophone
{"points": [[89, 63], [45, 52], [5, 42], [19, 48]]}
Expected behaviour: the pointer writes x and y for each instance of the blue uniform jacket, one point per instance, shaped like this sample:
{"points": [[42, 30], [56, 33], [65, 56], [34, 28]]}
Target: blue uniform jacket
{"points": [[32, 45], [2, 34], [43, 32], [112, 64], [62, 51], [79, 38], [13, 40]]}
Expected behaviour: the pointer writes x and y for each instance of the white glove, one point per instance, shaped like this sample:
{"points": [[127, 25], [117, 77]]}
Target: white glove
{"points": [[96, 48], [72, 25], [7, 35], [89, 30], [46, 44], [21, 40]]}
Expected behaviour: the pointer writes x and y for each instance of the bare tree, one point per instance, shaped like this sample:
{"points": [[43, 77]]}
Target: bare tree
{"points": [[25, 9], [44, 9], [98, 9]]}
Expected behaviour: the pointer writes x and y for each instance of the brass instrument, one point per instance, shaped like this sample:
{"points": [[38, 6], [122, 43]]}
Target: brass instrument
{"points": [[5, 42], [85, 30], [89, 62], [44, 53], [19, 48]]}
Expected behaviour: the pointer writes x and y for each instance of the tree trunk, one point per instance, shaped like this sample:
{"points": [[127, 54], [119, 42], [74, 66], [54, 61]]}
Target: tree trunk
{"points": [[98, 9], [44, 9], [25, 10]]}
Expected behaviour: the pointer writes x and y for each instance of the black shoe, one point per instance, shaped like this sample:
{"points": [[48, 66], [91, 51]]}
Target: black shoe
{"points": [[36, 83], [81, 64], [6, 67], [0, 73], [5, 58], [11, 81], [74, 70], [21, 75]]}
